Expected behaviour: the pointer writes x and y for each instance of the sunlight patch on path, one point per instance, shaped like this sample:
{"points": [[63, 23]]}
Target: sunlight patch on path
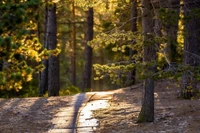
{"points": [[86, 122], [77, 117]]}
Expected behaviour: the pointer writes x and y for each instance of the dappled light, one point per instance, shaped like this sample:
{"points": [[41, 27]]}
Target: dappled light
{"points": [[105, 66], [171, 114]]}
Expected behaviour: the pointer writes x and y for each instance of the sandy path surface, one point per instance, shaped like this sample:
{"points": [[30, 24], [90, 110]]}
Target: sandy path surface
{"points": [[172, 114]]}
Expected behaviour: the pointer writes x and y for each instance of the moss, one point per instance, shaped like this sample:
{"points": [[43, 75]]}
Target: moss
{"points": [[141, 117]]}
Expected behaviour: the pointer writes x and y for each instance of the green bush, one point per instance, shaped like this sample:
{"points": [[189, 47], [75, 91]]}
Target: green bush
{"points": [[69, 90]]}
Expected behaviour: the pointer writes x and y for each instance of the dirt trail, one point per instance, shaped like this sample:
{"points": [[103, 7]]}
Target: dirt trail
{"points": [[66, 114], [172, 115], [56, 114], [40, 115]]}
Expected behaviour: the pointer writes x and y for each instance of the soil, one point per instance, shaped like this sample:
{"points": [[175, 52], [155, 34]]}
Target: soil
{"points": [[30, 115], [172, 114]]}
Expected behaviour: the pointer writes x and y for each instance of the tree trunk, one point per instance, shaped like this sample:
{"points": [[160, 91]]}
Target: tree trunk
{"points": [[134, 16], [88, 51], [53, 66], [1, 56], [172, 30], [73, 58], [44, 74], [101, 81], [191, 48], [131, 76], [147, 111]]}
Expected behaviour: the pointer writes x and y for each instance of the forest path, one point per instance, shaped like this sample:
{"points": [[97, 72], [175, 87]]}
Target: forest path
{"points": [[86, 123], [78, 118], [101, 112], [172, 114], [64, 114]]}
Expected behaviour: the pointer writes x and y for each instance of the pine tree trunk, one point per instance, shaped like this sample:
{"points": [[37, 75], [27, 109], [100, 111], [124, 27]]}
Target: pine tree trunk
{"points": [[131, 78], [101, 81], [191, 49], [88, 51], [147, 111], [172, 30], [44, 74], [53, 63], [73, 58]]}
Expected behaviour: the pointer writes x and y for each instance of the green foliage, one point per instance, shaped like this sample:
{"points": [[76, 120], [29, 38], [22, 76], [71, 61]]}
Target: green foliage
{"points": [[121, 39], [196, 12], [20, 49], [69, 90], [116, 72], [193, 13], [88, 3], [30, 90], [119, 42], [168, 16]]}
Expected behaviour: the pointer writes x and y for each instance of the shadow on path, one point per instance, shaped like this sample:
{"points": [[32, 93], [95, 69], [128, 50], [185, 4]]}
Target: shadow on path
{"points": [[78, 103], [64, 114], [64, 121]]}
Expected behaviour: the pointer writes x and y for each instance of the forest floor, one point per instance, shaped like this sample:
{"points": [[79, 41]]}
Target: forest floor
{"points": [[30, 115], [40, 115], [172, 114]]}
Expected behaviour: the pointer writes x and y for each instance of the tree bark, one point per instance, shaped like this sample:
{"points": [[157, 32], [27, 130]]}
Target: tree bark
{"points": [[147, 110], [101, 81], [43, 87], [131, 78], [191, 48], [73, 57], [172, 30], [53, 66], [88, 51]]}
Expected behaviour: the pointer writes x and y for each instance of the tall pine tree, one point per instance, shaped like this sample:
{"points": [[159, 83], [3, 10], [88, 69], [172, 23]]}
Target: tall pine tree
{"points": [[147, 111]]}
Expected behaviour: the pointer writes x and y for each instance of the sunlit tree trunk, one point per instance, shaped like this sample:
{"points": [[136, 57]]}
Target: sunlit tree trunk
{"points": [[191, 47], [88, 51], [73, 57], [44, 74], [147, 110], [53, 63]]}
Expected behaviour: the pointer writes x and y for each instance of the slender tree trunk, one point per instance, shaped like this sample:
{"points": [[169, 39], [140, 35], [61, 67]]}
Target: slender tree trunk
{"points": [[1, 56], [172, 30], [101, 81], [147, 110], [131, 78], [73, 58], [1, 65], [88, 51], [53, 66], [191, 48], [44, 74]]}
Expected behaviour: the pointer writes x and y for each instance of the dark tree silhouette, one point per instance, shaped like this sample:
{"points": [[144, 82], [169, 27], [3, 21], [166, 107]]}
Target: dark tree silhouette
{"points": [[53, 64], [88, 51]]}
